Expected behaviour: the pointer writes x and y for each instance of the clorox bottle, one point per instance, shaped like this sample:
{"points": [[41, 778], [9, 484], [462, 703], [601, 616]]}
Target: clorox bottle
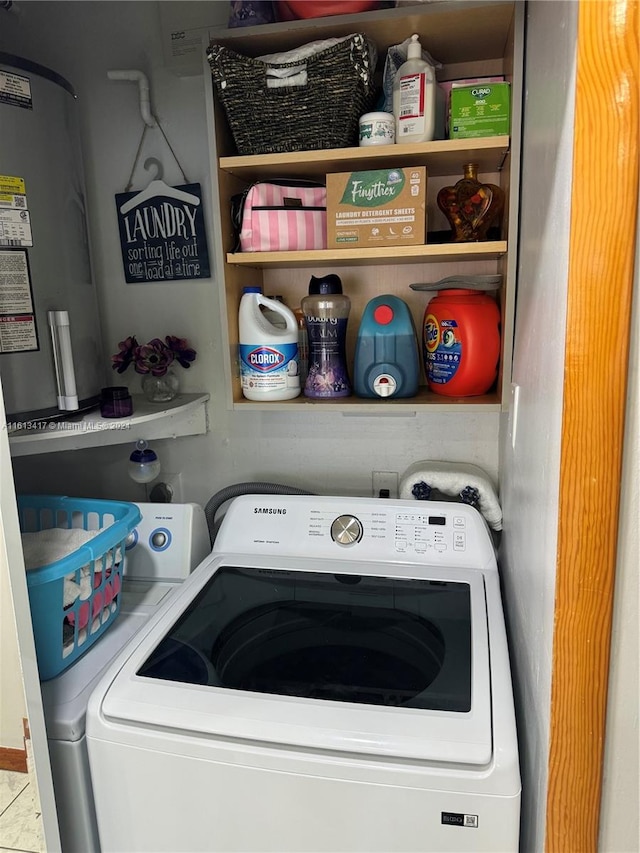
{"points": [[269, 367]]}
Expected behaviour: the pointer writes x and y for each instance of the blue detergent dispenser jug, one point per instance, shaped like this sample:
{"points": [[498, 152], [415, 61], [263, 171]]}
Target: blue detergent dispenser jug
{"points": [[387, 360]]}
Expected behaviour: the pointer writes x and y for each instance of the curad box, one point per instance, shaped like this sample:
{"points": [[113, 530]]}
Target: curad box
{"points": [[381, 207], [480, 110]]}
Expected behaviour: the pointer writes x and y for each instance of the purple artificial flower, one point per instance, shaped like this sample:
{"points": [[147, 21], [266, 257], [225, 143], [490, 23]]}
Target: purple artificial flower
{"points": [[122, 359], [154, 357], [181, 350]]}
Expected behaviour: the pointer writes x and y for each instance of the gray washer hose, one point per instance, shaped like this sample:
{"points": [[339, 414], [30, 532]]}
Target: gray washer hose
{"points": [[215, 501]]}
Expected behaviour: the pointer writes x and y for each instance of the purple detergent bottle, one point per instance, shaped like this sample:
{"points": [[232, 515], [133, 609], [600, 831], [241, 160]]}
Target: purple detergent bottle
{"points": [[326, 311]]}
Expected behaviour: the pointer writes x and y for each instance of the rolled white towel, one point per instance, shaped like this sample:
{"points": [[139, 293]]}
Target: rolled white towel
{"points": [[454, 479]]}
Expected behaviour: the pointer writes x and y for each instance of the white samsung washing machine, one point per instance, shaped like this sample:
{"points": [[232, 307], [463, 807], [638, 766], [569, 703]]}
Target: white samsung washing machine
{"points": [[169, 541], [333, 677]]}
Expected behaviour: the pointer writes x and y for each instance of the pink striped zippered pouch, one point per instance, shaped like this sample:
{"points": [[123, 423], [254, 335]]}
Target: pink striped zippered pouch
{"points": [[284, 217]]}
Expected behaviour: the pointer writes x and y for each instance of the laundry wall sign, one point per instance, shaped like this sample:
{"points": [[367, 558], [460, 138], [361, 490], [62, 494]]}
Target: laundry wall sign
{"points": [[162, 234]]}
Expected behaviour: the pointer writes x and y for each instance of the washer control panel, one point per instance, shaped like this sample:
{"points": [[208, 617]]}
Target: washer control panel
{"points": [[367, 529], [424, 532], [168, 543]]}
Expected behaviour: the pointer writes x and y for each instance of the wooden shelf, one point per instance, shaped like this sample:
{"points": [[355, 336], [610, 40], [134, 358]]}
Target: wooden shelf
{"points": [[443, 157], [469, 39], [370, 407], [437, 252], [186, 415], [453, 32]]}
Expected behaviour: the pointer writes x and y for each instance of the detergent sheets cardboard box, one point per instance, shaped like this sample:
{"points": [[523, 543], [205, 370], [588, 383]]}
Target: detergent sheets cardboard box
{"points": [[483, 109], [382, 207]]}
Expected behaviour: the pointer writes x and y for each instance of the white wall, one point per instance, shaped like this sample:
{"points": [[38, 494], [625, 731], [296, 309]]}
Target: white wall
{"points": [[530, 469]]}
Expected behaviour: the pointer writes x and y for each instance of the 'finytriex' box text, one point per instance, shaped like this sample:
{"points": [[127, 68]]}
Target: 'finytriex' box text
{"points": [[382, 207]]}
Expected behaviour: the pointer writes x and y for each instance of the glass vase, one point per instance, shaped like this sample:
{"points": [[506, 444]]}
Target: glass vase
{"points": [[471, 206], [160, 389]]}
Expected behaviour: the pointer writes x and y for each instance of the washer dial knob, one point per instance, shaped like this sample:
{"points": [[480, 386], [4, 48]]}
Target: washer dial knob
{"points": [[346, 530]]}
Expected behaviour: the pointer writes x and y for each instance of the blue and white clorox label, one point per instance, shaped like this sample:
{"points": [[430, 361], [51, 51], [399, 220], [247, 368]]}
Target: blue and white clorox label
{"points": [[267, 368]]}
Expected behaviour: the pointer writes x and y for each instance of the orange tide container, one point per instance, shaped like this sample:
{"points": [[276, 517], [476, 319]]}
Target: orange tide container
{"points": [[461, 343]]}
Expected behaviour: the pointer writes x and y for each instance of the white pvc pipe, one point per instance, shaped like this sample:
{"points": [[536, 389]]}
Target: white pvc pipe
{"points": [[143, 87]]}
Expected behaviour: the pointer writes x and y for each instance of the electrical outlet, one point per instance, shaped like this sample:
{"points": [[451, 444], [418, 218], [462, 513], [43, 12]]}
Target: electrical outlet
{"points": [[383, 482]]}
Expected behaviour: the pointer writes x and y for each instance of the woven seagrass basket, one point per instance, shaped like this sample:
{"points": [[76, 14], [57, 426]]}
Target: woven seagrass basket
{"points": [[323, 113]]}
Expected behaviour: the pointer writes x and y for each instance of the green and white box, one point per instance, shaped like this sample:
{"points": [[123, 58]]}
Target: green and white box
{"points": [[480, 110]]}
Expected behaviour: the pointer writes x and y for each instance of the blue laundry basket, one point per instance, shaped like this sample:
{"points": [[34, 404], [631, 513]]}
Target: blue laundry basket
{"points": [[64, 633]]}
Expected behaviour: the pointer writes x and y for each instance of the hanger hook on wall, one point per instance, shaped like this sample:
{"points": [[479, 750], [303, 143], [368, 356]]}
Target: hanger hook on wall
{"points": [[152, 162]]}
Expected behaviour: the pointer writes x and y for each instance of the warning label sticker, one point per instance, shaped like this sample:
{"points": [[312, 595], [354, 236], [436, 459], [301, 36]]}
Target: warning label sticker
{"points": [[16, 90], [10, 185], [17, 321], [15, 290], [18, 334], [15, 228]]}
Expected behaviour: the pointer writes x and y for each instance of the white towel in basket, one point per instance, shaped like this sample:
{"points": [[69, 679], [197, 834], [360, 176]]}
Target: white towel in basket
{"points": [[48, 546]]}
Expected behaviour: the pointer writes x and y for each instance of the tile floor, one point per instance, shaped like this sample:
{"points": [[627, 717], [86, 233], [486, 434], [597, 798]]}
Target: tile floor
{"points": [[20, 821]]}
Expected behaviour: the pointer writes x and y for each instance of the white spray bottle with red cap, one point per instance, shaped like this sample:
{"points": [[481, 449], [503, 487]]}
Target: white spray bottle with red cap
{"points": [[414, 97]]}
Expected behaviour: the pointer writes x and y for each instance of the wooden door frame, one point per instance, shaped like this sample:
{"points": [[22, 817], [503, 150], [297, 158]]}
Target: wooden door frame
{"points": [[600, 283]]}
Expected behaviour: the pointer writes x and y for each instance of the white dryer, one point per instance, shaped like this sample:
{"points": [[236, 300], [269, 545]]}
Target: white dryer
{"points": [[167, 544], [333, 677]]}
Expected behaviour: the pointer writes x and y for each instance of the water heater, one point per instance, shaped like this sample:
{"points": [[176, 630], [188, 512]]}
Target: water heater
{"points": [[50, 350]]}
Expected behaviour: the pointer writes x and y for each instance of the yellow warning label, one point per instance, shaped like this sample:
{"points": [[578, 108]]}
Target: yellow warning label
{"points": [[11, 185], [17, 201]]}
